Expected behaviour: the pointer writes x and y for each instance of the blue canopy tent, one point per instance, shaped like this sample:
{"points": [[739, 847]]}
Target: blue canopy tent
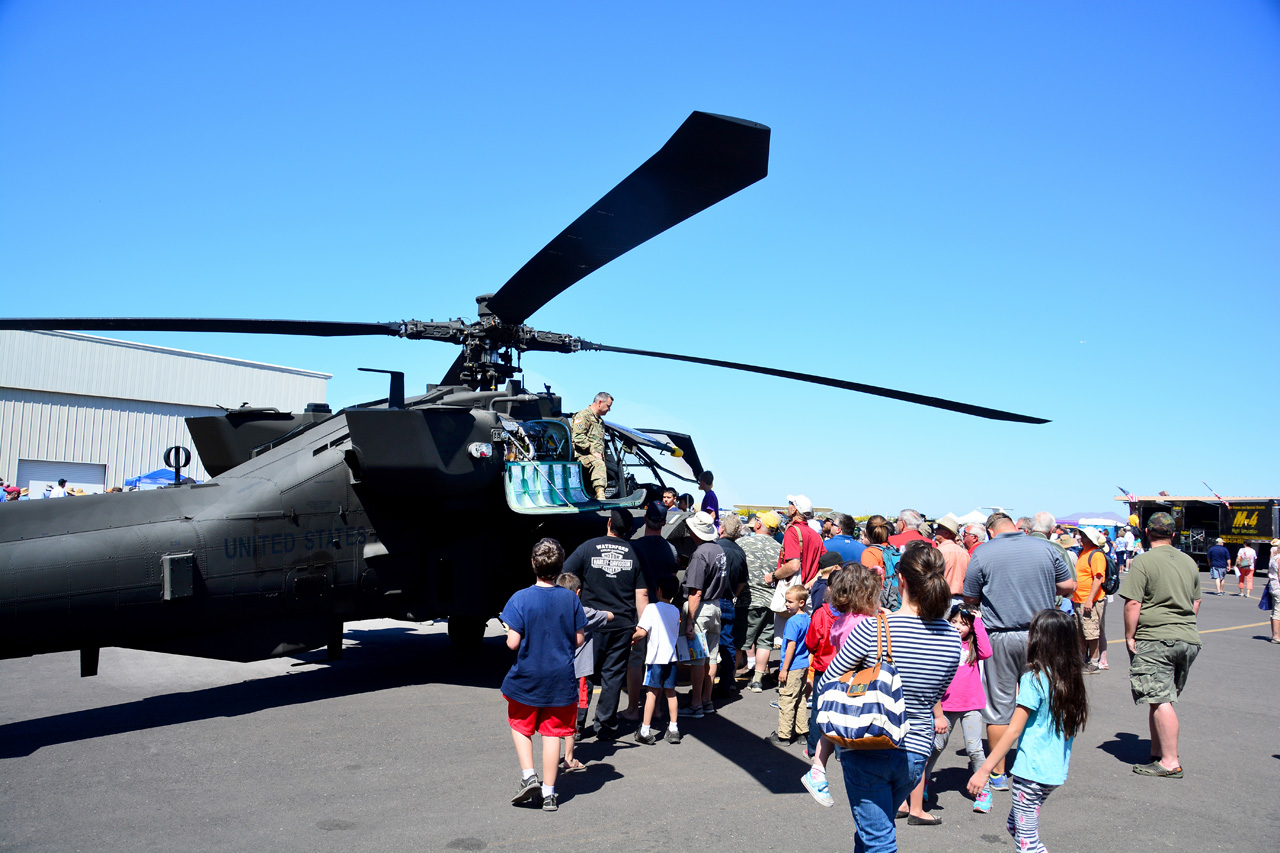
{"points": [[154, 480]]}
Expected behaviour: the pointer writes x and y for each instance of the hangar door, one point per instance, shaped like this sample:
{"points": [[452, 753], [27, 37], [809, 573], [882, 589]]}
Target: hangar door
{"points": [[35, 474]]}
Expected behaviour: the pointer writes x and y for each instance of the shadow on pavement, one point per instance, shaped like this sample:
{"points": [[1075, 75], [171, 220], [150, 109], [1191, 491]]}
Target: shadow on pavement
{"points": [[382, 659], [1128, 748], [776, 769], [570, 785]]}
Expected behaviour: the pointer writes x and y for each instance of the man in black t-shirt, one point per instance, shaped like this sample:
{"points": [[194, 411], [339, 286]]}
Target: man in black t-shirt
{"points": [[658, 559], [611, 580]]}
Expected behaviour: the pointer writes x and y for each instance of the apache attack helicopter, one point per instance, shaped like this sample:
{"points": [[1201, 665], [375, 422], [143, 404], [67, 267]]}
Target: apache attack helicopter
{"points": [[311, 520]]}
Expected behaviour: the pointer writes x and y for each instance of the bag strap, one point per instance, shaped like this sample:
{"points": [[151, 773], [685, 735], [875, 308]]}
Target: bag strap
{"points": [[885, 651]]}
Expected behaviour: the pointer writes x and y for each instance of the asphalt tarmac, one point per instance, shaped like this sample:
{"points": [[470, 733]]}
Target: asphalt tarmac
{"points": [[403, 745]]}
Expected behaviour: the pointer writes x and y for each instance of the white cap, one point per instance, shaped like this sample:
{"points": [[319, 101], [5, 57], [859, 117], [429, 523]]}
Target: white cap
{"points": [[802, 503]]}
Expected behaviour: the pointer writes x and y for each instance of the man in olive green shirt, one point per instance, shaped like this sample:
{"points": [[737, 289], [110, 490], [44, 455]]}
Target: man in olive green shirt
{"points": [[1162, 599]]}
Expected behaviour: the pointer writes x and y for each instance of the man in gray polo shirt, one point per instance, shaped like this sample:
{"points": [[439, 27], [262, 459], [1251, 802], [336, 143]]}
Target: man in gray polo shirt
{"points": [[1014, 577]]}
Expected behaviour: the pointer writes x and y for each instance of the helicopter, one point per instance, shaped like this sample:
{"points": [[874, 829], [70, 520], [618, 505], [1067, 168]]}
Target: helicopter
{"points": [[412, 508]]}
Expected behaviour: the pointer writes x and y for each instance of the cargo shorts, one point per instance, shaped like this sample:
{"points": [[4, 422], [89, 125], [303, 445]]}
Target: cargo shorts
{"points": [[1158, 670], [1091, 626], [759, 629]]}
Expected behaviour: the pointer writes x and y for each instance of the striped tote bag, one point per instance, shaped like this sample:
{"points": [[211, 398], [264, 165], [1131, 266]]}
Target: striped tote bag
{"points": [[866, 709]]}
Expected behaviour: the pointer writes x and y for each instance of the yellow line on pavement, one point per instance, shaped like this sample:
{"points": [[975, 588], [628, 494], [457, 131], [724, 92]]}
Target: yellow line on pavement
{"points": [[1236, 628], [1210, 631]]}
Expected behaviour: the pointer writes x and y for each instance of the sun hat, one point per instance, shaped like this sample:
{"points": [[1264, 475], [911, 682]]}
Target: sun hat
{"points": [[1093, 534], [950, 522], [701, 526]]}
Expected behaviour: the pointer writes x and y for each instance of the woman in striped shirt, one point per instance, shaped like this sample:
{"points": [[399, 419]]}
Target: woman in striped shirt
{"points": [[926, 652]]}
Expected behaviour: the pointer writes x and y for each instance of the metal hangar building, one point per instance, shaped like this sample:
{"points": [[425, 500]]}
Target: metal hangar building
{"points": [[96, 411]]}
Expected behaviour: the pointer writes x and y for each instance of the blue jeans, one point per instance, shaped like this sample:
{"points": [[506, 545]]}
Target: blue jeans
{"points": [[728, 651], [877, 782]]}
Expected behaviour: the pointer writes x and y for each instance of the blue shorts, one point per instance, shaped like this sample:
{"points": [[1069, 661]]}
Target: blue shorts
{"points": [[1218, 572], [661, 676]]}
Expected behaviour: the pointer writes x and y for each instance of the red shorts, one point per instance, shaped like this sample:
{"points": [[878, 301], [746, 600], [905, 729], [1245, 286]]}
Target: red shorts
{"points": [[548, 722]]}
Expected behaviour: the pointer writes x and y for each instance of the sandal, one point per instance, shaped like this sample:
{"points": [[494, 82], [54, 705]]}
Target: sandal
{"points": [[571, 766], [1155, 768]]}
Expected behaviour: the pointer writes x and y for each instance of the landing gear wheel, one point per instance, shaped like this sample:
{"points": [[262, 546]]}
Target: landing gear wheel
{"points": [[466, 632]]}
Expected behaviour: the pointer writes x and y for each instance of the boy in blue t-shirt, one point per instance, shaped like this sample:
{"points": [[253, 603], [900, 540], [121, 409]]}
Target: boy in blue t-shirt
{"points": [[792, 724], [545, 623]]}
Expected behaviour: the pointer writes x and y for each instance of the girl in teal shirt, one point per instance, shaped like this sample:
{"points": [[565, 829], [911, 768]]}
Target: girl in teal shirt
{"points": [[1052, 709]]}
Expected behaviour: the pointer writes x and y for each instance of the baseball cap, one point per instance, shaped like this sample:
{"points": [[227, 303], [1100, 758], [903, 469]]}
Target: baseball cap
{"points": [[769, 519], [802, 503], [1163, 520], [656, 514]]}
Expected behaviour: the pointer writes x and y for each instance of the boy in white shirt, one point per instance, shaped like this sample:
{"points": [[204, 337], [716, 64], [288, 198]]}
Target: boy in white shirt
{"points": [[660, 622]]}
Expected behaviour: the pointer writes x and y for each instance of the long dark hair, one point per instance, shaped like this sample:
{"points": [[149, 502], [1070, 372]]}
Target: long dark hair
{"points": [[1053, 650], [921, 569]]}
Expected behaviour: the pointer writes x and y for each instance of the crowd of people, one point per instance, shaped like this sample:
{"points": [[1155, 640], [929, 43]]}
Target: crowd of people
{"points": [[993, 626]]}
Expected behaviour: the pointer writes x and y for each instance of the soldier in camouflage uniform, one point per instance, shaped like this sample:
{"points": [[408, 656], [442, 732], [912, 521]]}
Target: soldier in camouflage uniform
{"points": [[587, 436]]}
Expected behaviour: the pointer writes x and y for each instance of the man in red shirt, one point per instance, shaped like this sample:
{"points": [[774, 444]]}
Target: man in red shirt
{"points": [[801, 545], [908, 523]]}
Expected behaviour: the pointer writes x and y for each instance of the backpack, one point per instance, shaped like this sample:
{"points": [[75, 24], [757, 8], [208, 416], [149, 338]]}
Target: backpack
{"points": [[1111, 578], [890, 598]]}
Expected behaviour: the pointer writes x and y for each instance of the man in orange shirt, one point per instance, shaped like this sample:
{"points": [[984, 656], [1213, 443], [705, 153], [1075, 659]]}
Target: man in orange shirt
{"points": [[1089, 600], [955, 557]]}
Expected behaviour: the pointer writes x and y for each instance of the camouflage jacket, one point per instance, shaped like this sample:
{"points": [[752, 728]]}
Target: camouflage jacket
{"points": [[587, 433]]}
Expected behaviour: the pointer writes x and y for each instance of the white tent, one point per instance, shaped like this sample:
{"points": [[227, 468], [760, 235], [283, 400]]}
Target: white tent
{"points": [[974, 517]]}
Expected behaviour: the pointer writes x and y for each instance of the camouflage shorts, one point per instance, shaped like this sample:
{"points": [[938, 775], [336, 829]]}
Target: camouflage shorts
{"points": [[1158, 670]]}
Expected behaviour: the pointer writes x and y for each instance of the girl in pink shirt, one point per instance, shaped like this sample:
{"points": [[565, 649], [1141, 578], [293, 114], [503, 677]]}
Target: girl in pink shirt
{"points": [[964, 700]]}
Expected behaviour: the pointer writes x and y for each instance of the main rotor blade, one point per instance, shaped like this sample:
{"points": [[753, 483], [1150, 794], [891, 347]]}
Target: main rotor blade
{"points": [[317, 328], [707, 160], [905, 396]]}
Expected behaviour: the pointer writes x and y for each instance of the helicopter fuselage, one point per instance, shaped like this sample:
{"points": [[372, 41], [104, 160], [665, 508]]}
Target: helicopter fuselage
{"points": [[371, 513]]}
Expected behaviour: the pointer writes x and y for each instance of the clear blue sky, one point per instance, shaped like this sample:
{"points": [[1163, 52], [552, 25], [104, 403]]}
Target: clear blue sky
{"points": [[1062, 209]]}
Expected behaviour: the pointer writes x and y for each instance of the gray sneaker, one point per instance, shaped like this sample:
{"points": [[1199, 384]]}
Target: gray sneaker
{"points": [[673, 736], [755, 687], [550, 803], [530, 789]]}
